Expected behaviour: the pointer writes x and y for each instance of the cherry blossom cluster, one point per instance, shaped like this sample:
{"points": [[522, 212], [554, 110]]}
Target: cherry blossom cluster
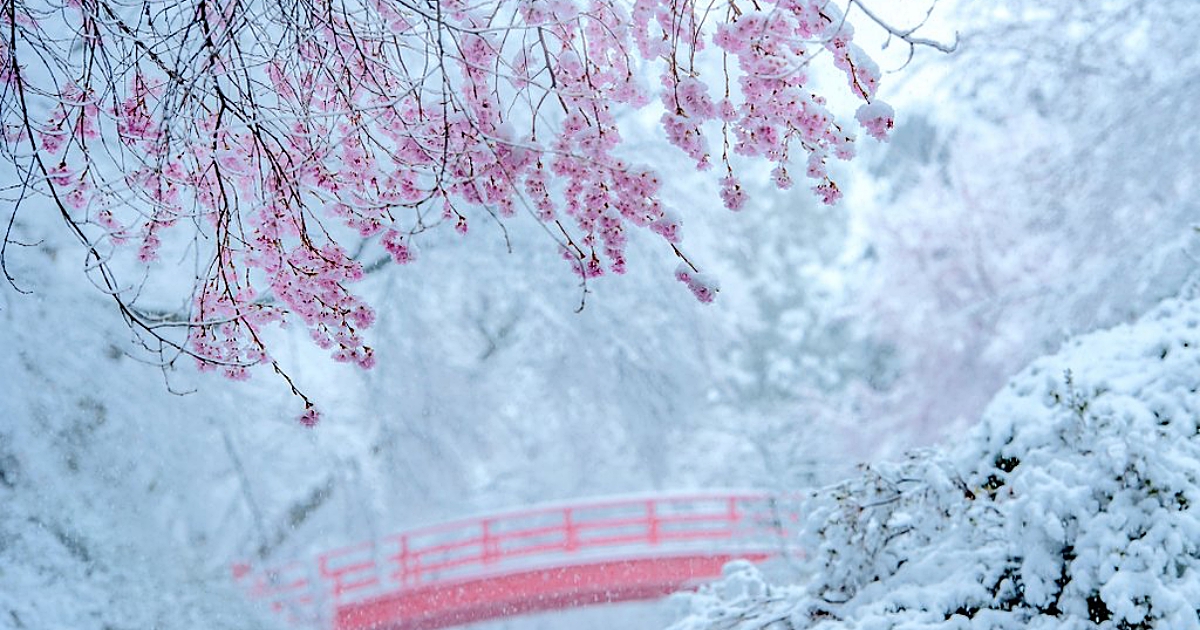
{"points": [[775, 110], [702, 286], [279, 139]]}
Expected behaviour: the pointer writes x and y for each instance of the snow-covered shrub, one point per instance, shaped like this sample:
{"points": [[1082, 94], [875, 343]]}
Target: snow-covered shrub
{"points": [[1075, 503]]}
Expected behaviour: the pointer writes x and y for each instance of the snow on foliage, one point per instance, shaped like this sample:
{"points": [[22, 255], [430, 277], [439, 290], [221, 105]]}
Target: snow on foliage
{"points": [[1073, 504]]}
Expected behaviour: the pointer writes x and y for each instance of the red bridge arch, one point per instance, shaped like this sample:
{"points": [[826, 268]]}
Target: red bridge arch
{"points": [[541, 558]]}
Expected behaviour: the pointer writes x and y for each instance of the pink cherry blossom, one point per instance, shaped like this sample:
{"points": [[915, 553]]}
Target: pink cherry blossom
{"points": [[376, 125]]}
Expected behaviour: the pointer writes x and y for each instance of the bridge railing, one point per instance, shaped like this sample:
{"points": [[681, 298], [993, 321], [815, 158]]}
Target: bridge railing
{"points": [[538, 536]]}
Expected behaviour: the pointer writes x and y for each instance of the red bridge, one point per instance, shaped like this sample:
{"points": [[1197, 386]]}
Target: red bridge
{"points": [[542, 558]]}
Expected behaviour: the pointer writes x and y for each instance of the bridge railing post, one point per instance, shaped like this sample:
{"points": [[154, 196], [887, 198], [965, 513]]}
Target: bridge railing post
{"points": [[652, 517], [572, 533], [488, 547], [404, 573], [324, 604]]}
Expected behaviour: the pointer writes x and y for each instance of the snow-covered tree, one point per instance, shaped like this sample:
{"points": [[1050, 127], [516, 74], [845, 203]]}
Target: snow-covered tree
{"points": [[1042, 185], [1072, 505]]}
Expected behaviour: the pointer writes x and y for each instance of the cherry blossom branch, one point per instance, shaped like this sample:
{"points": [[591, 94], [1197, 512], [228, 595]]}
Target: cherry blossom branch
{"points": [[273, 133]]}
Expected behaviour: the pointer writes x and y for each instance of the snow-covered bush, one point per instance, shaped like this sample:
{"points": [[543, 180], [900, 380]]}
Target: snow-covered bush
{"points": [[1075, 503]]}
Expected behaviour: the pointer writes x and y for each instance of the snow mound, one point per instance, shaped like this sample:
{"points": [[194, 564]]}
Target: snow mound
{"points": [[1074, 504]]}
